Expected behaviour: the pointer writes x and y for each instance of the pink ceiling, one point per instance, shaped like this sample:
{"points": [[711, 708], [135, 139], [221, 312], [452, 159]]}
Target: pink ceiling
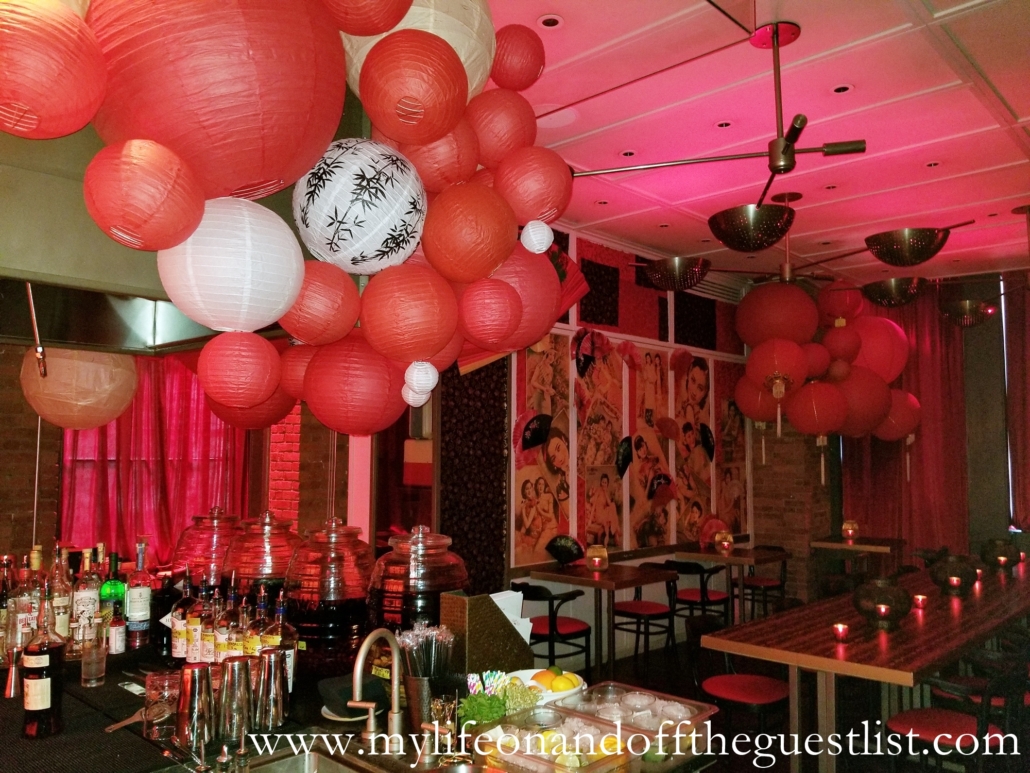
{"points": [[938, 89]]}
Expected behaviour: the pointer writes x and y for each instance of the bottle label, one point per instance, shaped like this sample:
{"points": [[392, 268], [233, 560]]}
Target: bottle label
{"points": [[37, 694], [227, 645], [207, 647], [137, 603], [252, 644], [62, 620], [35, 661], [180, 638], [270, 640], [166, 620], [116, 640], [289, 669], [138, 625], [193, 652], [85, 605]]}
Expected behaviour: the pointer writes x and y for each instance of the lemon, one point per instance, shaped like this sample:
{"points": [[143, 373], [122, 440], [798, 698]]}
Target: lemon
{"points": [[551, 741], [569, 761], [514, 680], [610, 744], [562, 683]]}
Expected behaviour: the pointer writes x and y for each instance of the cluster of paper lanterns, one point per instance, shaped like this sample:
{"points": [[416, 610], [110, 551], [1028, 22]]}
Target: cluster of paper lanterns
{"points": [[839, 384]]}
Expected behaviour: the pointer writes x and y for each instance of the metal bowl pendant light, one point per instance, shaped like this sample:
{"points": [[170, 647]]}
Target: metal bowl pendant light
{"points": [[891, 293]]}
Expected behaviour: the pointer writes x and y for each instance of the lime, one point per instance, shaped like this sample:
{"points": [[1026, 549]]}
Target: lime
{"points": [[556, 670], [569, 761]]}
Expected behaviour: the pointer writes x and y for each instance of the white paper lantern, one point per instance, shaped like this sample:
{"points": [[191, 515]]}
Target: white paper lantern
{"points": [[82, 390], [361, 207], [413, 398], [240, 270], [465, 24], [421, 377], [537, 236]]}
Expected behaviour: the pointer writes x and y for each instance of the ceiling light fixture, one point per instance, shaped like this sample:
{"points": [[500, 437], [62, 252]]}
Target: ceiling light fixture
{"points": [[932, 164], [663, 225], [550, 21], [628, 153], [601, 202], [843, 88], [724, 125], [831, 188], [891, 293]]}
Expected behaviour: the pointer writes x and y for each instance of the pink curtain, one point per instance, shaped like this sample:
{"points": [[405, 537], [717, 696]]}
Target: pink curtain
{"points": [[164, 460], [1017, 345], [930, 510]]}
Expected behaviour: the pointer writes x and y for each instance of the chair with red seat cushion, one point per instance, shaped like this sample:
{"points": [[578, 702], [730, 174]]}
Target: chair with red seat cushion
{"points": [[553, 629], [640, 615], [702, 599], [756, 585]]}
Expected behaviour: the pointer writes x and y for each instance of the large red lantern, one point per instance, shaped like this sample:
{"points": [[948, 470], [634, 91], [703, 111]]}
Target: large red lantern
{"points": [[413, 86], [326, 309], [265, 414], [450, 160], [777, 310], [869, 401], [367, 17], [53, 72], [353, 389], [408, 313], [469, 231], [519, 59], [817, 409], [838, 371], [902, 419], [238, 370], [779, 366], [294, 362], [818, 359], [537, 283], [249, 95], [142, 195], [443, 359], [489, 311], [503, 121], [884, 347], [536, 182], [842, 343], [754, 401], [839, 300]]}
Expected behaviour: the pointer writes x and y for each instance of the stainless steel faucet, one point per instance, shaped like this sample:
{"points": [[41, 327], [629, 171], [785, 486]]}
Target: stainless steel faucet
{"points": [[395, 741]]}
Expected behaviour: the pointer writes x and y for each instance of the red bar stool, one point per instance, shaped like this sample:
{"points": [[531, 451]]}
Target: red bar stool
{"points": [[701, 599], [640, 615], [553, 629], [755, 585]]}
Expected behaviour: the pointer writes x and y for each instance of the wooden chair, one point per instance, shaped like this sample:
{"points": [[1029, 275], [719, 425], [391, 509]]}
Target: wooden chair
{"points": [[766, 586], [553, 629], [640, 615], [700, 600]]}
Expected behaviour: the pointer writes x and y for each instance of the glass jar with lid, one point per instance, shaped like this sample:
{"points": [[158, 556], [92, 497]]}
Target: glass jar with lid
{"points": [[406, 583], [326, 590], [260, 555], [204, 544]]}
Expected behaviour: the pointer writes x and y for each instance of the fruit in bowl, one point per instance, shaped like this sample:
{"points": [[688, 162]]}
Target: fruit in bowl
{"points": [[552, 683]]}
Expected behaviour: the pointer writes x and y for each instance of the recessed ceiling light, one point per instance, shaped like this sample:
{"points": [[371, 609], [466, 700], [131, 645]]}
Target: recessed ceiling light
{"points": [[628, 153], [724, 124], [993, 214], [831, 187], [843, 88], [663, 225], [601, 202], [825, 244], [750, 257], [932, 164], [550, 21], [705, 241], [956, 260]]}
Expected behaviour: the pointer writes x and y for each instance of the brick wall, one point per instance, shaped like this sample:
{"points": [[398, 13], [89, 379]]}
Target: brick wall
{"points": [[284, 466], [313, 473]]}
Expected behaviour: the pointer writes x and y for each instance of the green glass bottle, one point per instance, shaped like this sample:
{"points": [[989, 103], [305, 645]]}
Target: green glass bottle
{"points": [[111, 591]]}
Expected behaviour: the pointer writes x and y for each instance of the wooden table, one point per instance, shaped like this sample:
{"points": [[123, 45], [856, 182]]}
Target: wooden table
{"points": [[887, 549], [736, 559], [927, 640], [615, 577]]}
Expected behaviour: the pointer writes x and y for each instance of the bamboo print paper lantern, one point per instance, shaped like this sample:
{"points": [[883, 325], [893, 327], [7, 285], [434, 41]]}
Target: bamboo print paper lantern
{"points": [[536, 182], [293, 365], [82, 390], [413, 87], [408, 313], [537, 237], [326, 308], [489, 312], [519, 60], [777, 310], [362, 207], [367, 17], [264, 414], [450, 160], [142, 195], [537, 283], [470, 230], [503, 121], [242, 268], [238, 370], [884, 346], [247, 94], [869, 401]]}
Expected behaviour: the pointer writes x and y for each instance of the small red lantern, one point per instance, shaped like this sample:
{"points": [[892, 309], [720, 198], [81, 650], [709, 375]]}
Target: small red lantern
{"points": [[869, 401], [408, 313], [818, 409], [519, 59], [294, 363], [446, 356], [413, 86], [843, 343], [450, 160], [884, 347], [839, 301], [271, 411], [536, 182], [838, 371], [903, 418], [469, 231], [238, 370], [537, 283], [326, 309], [503, 121], [779, 366], [818, 359], [777, 310], [142, 195], [754, 401], [367, 17], [489, 312]]}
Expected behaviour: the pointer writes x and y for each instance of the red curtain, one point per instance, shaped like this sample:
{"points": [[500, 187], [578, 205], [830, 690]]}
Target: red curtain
{"points": [[164, 460], [1017, 352], [931, 510]]}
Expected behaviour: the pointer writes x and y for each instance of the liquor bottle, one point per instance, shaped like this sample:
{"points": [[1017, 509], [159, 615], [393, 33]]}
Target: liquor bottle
{"points": [[86, 599], [179, 613], [116, 631], [282, 635], [42, 667], [194, 618], [34, 581], [99, 567], [228, 634], [137, 601], [61, 591], [260, 621], [25, 602], [4, 589], [207, 628], [111, 591]]}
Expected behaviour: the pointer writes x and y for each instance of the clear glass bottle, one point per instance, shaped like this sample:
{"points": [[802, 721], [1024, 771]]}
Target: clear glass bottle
{"points": [[179, 613], [35, 581], [137, 601], [99, 567], [202, 545], [116, 631], [207, 628], [94, 655], [258, 623], [61, 591], [5, 588], [26, 600], [111, 591], [86, 598], [193, 622], [282, 635], [42, 670], [228, 634]]}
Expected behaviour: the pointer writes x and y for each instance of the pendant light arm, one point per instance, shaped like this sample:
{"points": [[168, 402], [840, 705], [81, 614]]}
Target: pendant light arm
{"points": [[776, 80], [664, 164]]}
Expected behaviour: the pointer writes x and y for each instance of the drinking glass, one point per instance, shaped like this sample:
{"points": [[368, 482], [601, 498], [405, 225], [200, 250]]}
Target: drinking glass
{"points": [[94, 662], [160, 704], [638, 700]]}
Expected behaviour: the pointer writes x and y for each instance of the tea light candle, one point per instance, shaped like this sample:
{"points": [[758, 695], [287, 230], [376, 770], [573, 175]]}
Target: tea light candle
{"points": [[956, 582], [726, 545], [979, 576], [849, 533], [883, 610], [919, 600], [597, 558], [596, 562], [1022, 556], [840, 631], [1002, 560]]}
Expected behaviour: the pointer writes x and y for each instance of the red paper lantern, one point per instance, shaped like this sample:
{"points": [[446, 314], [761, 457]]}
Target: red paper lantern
{"points": [[326, 309], [469, 231], [839, 300], [754, 401], [294, 363], [817, 409], [884, 346], [413, 86], [537, 283], [450, 160], [902, 419], [503, 121], [842, 343], [777, 310], [536, 182], [446, 356], [838, 371], [778, 365], [408, 313], [248, 95], [818, 359], [483, 176], [519, 59], [869, 401], [53, 72], [367, 17], [353, 389], [489, 311], [142, 195], [238, 370], [378, 136], [271, 411]]}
